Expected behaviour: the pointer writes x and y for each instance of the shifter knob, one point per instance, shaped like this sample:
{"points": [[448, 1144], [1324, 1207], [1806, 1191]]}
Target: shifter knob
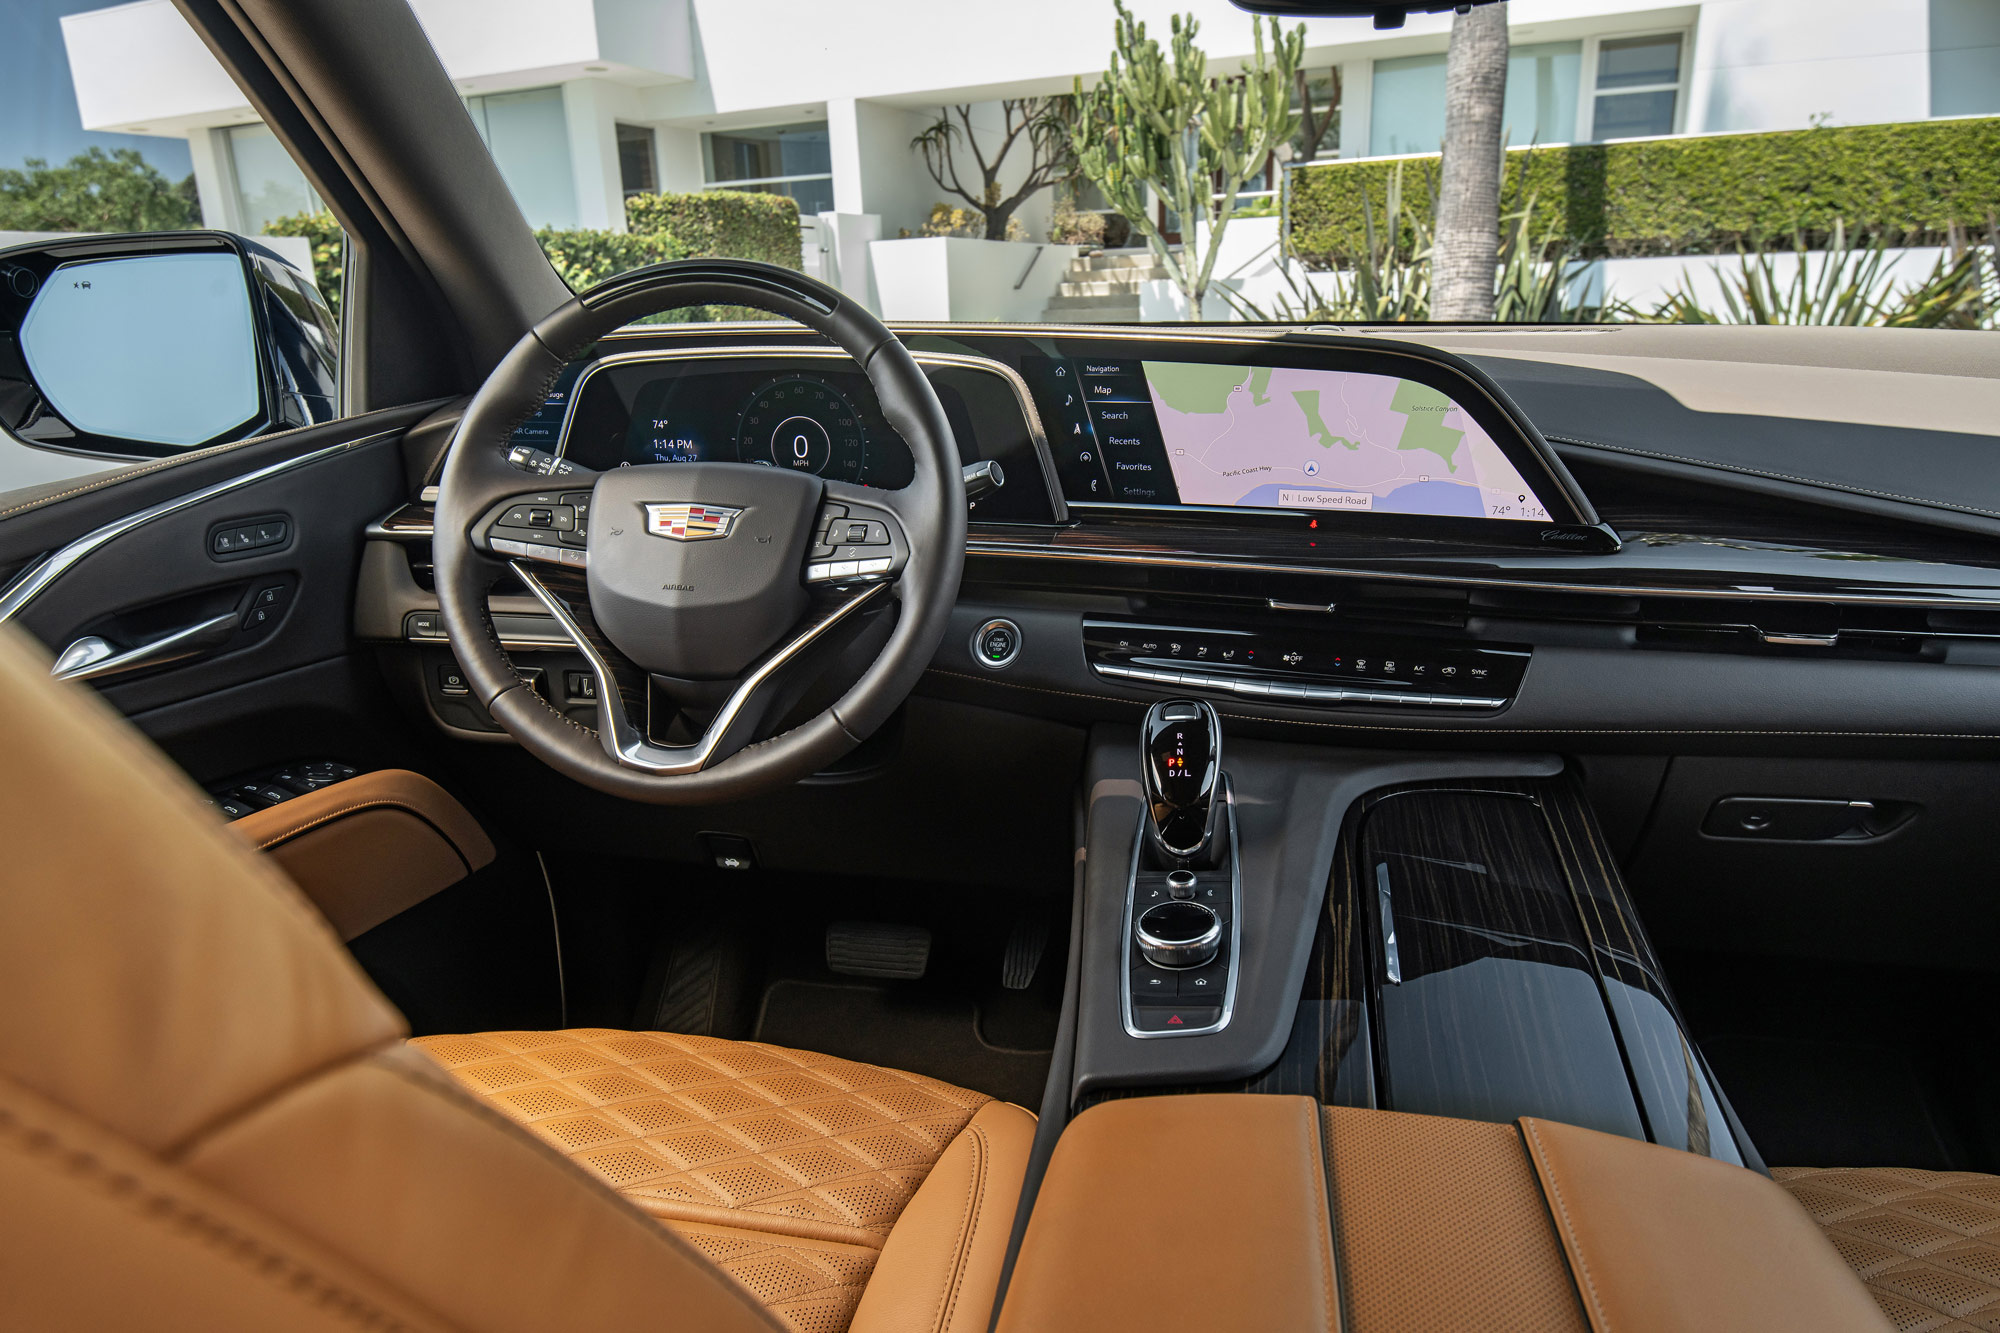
{"points": [[1180, 765]]}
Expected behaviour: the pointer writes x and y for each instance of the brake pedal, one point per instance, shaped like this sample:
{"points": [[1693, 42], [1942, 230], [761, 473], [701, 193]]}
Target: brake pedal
{"points": [[878, 949]]}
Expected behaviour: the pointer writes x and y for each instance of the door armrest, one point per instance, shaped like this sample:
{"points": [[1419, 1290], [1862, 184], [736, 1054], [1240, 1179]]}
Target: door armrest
{"points": [[370, 847]]}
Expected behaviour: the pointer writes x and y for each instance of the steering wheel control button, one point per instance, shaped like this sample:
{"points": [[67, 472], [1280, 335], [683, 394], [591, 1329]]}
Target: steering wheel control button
{"points": [[996, 644]]}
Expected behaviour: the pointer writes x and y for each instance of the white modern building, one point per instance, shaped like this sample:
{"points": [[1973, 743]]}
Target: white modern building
{"points": [[586, 101]]}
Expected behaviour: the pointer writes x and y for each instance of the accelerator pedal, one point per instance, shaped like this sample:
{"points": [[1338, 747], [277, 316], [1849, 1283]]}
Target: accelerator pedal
{"points": [[1025, 945], [878, 949]]}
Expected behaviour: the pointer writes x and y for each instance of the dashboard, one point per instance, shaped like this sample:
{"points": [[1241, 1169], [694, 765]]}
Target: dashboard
{"points": [[1671, 598], [1337, 440]]}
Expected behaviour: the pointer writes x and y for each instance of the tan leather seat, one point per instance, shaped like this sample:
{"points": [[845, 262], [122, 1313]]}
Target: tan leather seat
{"points": [[209, 1119], [1925, 1243]]}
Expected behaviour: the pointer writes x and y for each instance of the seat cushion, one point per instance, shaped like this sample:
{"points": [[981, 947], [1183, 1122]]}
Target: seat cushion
{"points": [[788, 1169], [1926, 1243]]}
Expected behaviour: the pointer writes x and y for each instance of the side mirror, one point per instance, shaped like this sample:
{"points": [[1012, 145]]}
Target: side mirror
{"points": [[151, 345]]}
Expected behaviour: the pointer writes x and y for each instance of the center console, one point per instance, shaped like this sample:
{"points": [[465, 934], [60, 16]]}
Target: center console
{"points": [[1179, 972], [1425, 932]]}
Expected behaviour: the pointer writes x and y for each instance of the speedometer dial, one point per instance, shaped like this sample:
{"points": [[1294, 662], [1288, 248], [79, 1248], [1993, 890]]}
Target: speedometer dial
{"points": [[801, 423]]}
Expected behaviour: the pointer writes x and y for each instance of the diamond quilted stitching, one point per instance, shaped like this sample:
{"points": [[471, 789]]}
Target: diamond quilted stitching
{"points": [[785, 1089], [651, 1117], [1926, 1243], [701, 1148], [583, 1132], [453, 1051], [838, 1117], [679, 1073], [811, 1288], [631, 1048], [613, 1086], [743, 1061], [782, 1140], [571, 1060], [766, 1132], [725, 1100], [747, 1182], [625, 1166], [492, 1078], [819, 1164], [539, 1101]]}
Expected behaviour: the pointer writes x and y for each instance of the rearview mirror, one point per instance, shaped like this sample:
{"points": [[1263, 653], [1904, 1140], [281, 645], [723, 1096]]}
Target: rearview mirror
{"points": [[151, 345]]}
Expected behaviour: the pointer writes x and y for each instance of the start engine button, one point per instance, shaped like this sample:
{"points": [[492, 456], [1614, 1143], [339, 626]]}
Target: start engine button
{"points": [[996, 644]]}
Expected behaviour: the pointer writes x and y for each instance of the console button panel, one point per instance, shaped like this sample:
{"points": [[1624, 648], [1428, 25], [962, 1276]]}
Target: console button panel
{"points": [[1307, 668]]}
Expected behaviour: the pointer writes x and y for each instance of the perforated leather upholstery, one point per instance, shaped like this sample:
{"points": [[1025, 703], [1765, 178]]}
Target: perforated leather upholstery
{"points": [[786, 1168], [209, 1119], [1925, 1243]]}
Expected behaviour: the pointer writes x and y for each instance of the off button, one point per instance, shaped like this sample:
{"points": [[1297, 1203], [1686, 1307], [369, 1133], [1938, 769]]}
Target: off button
{"points": [[996, 644]]}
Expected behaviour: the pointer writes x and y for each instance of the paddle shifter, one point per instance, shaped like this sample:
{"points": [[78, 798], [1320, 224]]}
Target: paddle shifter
{"points": [[1179, 966], [1181, 767]]}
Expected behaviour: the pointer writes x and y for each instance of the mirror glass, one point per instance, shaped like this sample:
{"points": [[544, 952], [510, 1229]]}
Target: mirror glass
{"points": [[160, 348]]}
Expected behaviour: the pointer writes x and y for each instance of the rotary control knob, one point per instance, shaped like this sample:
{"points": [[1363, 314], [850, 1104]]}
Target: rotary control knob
{"points": [[1178, 934]]}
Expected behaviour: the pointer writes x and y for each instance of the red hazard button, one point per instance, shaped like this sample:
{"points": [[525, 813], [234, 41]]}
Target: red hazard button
{"points": [[1178, 1019]]}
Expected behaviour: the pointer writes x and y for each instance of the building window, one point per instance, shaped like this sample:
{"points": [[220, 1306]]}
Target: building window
{"points": [[795, 160], [635, 161], [1406, 104], [528, 135], [1638, 86], [268, 183]]}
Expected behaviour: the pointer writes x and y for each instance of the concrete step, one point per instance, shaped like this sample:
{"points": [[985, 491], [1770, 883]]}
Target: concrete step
{"points": [[1092, 315], [1114, 287], [1119, 259], [1089, 312]]}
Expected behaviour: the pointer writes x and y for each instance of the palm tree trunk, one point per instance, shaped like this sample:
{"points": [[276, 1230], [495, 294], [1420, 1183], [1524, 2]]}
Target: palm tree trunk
{"points": [[1467, 244]]}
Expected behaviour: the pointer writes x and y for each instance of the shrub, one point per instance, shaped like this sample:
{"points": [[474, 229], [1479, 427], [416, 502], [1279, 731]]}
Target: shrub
{"points": [[1069, 227], [1705, 194], [946, 220], [583, 258], [328, 250], [95, 191], [722, 224]]}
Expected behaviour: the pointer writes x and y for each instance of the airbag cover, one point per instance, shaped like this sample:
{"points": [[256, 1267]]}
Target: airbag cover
{"points": [[701, 592]]}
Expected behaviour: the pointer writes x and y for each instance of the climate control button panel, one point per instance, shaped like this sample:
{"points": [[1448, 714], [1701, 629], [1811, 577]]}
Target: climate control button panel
{"points": [[1306, 667]]}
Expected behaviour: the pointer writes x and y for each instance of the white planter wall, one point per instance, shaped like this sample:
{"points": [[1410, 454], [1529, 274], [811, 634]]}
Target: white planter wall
{"points": [[950, 277]]}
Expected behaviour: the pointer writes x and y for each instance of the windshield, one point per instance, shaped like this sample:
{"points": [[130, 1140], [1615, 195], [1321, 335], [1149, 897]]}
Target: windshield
{"points": [[1086, 162]]}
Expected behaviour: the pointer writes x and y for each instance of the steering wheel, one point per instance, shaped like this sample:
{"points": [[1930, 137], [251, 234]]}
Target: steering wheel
{"points": [[718, 586]]}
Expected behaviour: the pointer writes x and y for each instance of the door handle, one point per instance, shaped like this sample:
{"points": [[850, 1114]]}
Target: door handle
{"points": [[92, 658]]}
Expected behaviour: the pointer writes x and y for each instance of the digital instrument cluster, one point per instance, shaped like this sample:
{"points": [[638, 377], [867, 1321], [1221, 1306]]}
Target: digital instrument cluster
{"points": [[811, 414]]}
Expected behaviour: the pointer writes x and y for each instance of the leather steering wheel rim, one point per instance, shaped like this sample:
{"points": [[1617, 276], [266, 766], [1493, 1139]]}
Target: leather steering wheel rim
{"points": [[476, 476]]}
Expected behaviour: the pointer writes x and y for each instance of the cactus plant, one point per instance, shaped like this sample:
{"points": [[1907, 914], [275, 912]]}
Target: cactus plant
{"points": [[1157, 123]]}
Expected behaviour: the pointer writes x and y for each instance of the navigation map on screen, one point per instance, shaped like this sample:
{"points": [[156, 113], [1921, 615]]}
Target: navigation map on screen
{"points": [[1265, 437]]}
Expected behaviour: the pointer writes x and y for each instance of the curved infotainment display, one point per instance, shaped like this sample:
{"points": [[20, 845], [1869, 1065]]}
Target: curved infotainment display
{"points": [[1155, 432]]}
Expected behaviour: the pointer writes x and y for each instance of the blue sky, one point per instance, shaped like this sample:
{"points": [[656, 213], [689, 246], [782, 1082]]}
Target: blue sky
{"points": [[37, 105]]}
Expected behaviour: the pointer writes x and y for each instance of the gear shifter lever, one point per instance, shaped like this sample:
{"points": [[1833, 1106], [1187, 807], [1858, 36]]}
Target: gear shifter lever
{"points": [[1180, 767]]}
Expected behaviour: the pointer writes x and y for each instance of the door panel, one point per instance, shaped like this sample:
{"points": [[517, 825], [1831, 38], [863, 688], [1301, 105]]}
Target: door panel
{"points": [[135, 561]]}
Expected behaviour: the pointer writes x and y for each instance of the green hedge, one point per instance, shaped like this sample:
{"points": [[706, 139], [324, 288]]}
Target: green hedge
{"points": [[329, 250], [584, 258], [1696, 195], [722, 224]]}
